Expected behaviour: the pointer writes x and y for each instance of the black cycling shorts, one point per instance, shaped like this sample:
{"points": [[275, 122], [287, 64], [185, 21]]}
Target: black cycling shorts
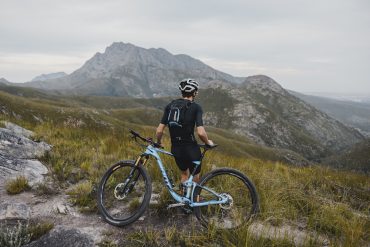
{"points": [[185, 155]]}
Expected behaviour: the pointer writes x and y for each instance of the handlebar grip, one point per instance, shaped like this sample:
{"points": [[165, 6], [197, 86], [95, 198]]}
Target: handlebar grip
{"points": [[208, 146], [134, 133]]}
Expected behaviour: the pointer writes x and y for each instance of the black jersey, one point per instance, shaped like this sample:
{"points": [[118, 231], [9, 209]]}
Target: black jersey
{"points": [[193, 117]]}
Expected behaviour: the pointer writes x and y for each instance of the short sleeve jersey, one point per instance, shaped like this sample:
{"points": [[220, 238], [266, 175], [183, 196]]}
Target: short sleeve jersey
{"points": [[192, 118]]}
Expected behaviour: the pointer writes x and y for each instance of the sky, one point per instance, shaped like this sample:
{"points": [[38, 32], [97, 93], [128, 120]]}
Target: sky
{"points": [[306, 46]]}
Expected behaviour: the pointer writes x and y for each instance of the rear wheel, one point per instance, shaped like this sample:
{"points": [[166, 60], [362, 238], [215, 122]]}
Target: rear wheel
{"points": [[124, 193], [242, 199]]}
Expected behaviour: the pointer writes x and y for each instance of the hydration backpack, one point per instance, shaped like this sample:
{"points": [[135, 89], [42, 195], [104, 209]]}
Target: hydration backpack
{"points": [[177, 112]]}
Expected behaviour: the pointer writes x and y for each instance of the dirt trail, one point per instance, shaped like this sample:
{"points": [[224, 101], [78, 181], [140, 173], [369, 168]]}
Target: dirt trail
{"points": [[59, 210]]}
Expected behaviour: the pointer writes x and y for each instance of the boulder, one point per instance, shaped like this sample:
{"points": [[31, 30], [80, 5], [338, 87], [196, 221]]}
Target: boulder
{"points": [[18, 154], [14, 211]]}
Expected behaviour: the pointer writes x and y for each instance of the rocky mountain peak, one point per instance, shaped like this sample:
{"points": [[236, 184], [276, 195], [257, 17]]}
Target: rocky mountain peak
{"points": [[263, 82], [127, 70]]}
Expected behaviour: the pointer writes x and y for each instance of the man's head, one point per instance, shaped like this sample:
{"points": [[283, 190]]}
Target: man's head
{"points": [[188, 88]]}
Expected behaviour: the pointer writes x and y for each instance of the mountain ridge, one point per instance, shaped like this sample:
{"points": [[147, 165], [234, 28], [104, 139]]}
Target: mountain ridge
{"points": [[128, 70]]}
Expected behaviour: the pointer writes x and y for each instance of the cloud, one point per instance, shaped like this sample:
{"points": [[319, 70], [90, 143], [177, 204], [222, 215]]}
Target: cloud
{"points": [[300, 43]]}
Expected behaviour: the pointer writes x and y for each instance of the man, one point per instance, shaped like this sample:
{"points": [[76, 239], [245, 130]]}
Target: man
{"points": [[181, 116]]}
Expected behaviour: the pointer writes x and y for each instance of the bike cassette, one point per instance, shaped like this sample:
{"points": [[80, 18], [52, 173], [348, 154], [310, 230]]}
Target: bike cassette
{"points": [[229, 203]]}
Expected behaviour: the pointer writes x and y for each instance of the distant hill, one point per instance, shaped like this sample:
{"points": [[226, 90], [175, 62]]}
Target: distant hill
{"points": [[357, 158], [4, 81], [352, 113], [45, 77], [128, 70]]}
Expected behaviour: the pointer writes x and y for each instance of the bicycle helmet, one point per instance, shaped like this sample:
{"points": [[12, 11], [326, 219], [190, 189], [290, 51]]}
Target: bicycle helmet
{"points": [[188, 86]]}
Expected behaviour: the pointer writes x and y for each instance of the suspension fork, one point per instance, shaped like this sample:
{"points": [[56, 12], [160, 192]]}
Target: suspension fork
{"points": [[140, 161]]}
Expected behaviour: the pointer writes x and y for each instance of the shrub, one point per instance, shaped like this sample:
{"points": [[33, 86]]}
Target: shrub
{"points": [[17, 185]]}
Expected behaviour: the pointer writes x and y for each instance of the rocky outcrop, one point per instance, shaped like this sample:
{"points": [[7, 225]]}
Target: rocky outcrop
{"points": [[18, 154], [61, 237]]}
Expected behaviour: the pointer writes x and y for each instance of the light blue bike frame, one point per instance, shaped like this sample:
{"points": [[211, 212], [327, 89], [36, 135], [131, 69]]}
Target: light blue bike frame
{"points": [[190, 184]]}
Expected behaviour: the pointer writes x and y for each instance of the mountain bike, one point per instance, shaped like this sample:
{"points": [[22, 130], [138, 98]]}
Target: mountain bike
{"points": [[224, 197]]}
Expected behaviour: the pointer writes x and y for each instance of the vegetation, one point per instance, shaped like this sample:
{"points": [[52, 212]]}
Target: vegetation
{"points": [[15, 236], [23, 232], [86, 141], [17, 185]]}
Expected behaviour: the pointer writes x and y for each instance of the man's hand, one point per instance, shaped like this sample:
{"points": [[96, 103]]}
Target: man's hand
{"points": [[210, 143]]}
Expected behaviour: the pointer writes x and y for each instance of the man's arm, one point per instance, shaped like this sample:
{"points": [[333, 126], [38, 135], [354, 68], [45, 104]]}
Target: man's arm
{"points": [[203, 135], [159, 132]]}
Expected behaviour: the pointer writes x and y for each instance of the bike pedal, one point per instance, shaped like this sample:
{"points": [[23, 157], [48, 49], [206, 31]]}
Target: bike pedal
{"points": [[176, 205]]}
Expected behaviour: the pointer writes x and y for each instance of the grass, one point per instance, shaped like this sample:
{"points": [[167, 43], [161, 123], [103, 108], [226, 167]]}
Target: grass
{"points": [[324, 201], [39, 228], [17, 185], [81, 195]]}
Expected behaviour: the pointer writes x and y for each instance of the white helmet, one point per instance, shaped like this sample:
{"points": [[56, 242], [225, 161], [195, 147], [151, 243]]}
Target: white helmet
{"points": [[188, 86]]}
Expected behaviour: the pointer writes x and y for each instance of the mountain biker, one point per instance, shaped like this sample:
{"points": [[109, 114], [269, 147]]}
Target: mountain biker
{"points": [[181, 116]]}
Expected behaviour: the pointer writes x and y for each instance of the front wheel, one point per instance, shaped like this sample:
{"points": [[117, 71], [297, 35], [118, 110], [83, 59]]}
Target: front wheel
{"points": [[124, 193], [242, 199]]}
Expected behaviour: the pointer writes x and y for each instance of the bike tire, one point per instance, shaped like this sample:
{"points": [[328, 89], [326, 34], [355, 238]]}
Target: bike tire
{"points": [[233, 183], [107, 196]]}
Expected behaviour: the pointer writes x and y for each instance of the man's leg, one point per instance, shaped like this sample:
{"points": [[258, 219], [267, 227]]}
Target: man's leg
{"points": [[185, 175], [196, 178]]}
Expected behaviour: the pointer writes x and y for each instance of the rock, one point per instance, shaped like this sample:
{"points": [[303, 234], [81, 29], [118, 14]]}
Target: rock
{"points": [[62, 237], [18, 154], [19, 146], [61, 208], [14, 211], [33, 170], [18, 130]]}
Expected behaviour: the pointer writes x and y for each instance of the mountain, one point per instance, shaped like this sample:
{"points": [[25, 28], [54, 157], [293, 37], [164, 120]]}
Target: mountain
{"points": [[45, 77], [262, 110], [4, 81], [354, 114], [128, 70]]}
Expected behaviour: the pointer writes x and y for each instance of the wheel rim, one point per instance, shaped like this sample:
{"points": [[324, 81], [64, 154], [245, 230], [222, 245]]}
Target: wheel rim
{"points": [[118, 201], [236, 211]]}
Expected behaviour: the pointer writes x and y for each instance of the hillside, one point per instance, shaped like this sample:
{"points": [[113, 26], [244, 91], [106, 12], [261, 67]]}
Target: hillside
{"points": [[357, 158], [305, 206], [351, 113], [259, 110], [93, 112], [262, 110]]}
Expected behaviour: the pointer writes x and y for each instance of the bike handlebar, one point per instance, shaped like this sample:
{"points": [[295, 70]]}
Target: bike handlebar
{"points": [[148, 140], [157, 145]]}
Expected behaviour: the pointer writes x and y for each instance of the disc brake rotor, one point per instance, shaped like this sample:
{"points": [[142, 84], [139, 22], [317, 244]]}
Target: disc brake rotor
{"points": [[119, 191]]}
